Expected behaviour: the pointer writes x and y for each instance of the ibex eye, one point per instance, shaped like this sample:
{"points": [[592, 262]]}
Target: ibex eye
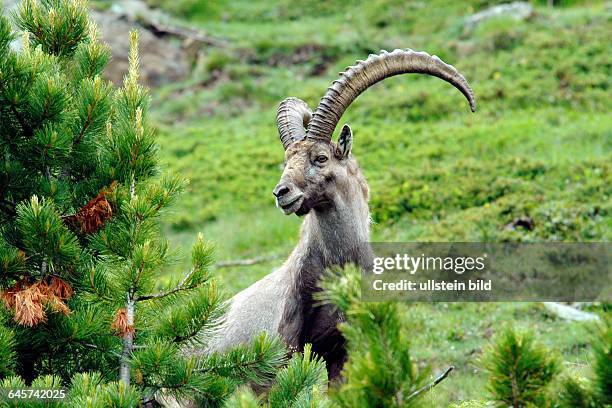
{"points": [[321, 159]]}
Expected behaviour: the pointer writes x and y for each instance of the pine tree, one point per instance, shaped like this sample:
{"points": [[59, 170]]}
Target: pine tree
{"points": [[577, 393], [593, 392], [603, 362], [520, 369], [81, 197], [380, 371], [303, 383]]}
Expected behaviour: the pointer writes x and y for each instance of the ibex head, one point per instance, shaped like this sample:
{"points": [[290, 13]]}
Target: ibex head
{"points": [[316, 168]]}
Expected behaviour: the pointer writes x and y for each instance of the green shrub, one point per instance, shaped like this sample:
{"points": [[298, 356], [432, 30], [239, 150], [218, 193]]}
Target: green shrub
{"points": [[603, 362], [380, 370], [302, 383], [520, 369], [578, 392]]}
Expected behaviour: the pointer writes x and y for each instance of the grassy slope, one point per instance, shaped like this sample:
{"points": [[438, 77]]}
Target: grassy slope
{"points": [[539, 145]]}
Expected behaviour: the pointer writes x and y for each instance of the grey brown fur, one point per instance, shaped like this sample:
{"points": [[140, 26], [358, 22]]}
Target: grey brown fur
{"points": [[321, 181]]}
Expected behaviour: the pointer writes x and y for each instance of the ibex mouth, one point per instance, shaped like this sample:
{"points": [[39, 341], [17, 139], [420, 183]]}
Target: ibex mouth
{"points": [[291, 205]]}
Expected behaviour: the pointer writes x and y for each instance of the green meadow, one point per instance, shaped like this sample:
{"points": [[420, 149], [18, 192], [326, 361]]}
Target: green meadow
{"points": [[538, 148]]}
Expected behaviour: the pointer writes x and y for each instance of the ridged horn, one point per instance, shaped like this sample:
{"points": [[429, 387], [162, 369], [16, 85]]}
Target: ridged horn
{"points": [[364, 74], [292, 118]]}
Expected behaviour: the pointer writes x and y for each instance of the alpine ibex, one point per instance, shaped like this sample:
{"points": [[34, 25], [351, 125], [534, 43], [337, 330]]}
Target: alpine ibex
{"points": [[322, 181]]}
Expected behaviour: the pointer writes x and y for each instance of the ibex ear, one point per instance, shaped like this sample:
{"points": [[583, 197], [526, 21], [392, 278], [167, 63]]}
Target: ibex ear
{"points": [[345, 142]]}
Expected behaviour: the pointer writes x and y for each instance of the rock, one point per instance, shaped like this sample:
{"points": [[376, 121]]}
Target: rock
{"points": [[160, 23], [524, 221], [518, 10], [161, 61], [167, 50], [569, 313]]}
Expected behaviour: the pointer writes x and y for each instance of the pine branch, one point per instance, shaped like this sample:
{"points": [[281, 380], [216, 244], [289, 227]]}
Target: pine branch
{"points": [[429, 386], [94, 347], [47, 172], [95, 290], [190, 335], [201, 259], [85, 127], [244, 262], [182, 285], [8, 207], [24, 126], [257, 362], [161, 29]]}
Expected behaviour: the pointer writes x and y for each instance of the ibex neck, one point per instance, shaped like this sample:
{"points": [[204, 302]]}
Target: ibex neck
{"points": [[336, 235], [332, 237]]}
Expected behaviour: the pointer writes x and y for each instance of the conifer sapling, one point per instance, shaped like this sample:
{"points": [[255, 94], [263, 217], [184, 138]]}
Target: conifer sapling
{"points": [[81, 251]]}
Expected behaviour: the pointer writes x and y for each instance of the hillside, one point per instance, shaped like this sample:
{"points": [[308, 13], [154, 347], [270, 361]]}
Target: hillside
{"points": [[539, 148], [539, 145]]}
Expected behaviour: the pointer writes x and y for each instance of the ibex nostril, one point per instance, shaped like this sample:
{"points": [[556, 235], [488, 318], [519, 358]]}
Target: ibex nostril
{"points": [[280, 190]]}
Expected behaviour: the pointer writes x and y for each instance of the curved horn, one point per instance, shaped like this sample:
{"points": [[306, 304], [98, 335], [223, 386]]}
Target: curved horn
{"points": [[292, 118], [364, 74]]}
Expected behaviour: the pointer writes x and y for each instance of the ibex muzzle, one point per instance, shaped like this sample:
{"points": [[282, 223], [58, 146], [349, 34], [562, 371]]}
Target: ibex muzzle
{"points": [[314, 171]]}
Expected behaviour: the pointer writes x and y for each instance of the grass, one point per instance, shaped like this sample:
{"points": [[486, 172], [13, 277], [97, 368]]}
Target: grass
{"points": [[539, 146]]}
